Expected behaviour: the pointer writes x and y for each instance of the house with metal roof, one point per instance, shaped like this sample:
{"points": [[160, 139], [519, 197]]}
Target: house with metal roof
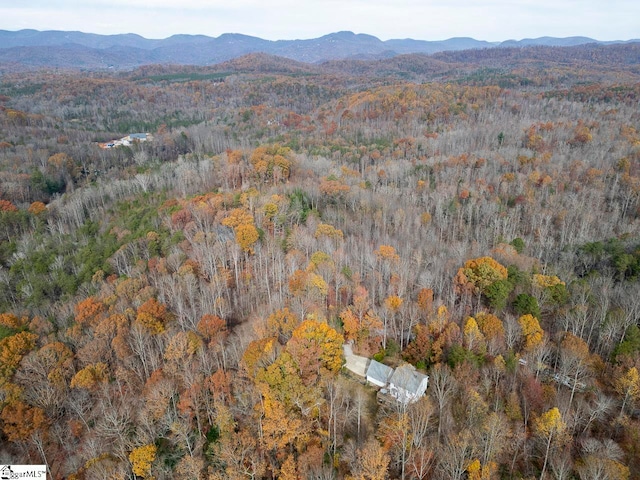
{"points": [[406, 384], [141, 137], [378, 373]]}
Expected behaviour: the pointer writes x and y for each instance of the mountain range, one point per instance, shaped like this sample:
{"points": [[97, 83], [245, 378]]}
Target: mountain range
{"points": [[65, 49]]}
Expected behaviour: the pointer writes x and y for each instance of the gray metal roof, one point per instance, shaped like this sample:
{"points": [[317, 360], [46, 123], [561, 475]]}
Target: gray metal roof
{"points": [[407, 378], [379, 371]]}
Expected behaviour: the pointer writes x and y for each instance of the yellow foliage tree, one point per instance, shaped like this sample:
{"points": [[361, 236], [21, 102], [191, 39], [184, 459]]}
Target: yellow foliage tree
{"points": [[316, 285], [246, 236], [181, 346], [289, 470], [387, 252], [329, 231], [474, 470], [393, 303], [237, 217], [493, 330], [90, 376], [141, 459], [282, 323], [477, 471], [544, 281], [280, 426], [549, 427], [270, 209], [320, 260], [258, 354], [311, 337], [628, 386], [532, 333], [473, 337]]}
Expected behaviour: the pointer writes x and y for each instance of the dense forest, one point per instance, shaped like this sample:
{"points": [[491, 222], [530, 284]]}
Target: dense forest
{"points": [[177, 308]]}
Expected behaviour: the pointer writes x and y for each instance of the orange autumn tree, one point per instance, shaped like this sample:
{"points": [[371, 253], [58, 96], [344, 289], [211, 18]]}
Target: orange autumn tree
{"points": [[419, 348], [36, 208], [430, 342], [444, 334], [12, 349], [493, 330], [20, 421], [152, 315], [271, 163], [89, 310], [13, 322], [360, 324], [212, 328], [7, 206], [289, 470], [387, 252], [425, 301]]}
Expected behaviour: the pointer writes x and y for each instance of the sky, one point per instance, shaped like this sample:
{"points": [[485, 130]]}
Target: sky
{"points": [[491, 20]]}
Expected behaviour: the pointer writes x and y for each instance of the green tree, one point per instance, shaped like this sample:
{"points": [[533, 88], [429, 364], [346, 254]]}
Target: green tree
{"points": [[526, 304], [497, 293]]}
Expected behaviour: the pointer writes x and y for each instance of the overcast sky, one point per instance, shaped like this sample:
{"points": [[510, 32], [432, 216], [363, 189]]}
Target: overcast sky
{"points": [[491, 20]]}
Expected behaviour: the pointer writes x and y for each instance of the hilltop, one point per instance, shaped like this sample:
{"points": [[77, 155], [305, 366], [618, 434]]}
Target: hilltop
{"points": [[33, 48]]}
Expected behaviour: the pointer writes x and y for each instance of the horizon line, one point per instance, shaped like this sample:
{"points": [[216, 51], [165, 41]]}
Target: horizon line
{"points": [[495, 42]]}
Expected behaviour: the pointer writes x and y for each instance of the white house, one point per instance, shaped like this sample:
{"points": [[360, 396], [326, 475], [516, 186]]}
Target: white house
{"points": [[407, 385], [140, 137]]}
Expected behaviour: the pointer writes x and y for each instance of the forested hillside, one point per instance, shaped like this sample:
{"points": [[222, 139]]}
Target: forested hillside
{"points": [[176, 308], [33, 49]]}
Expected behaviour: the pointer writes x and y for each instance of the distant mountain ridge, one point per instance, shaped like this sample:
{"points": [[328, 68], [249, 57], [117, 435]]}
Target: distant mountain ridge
{"points": [[33, 48]]}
